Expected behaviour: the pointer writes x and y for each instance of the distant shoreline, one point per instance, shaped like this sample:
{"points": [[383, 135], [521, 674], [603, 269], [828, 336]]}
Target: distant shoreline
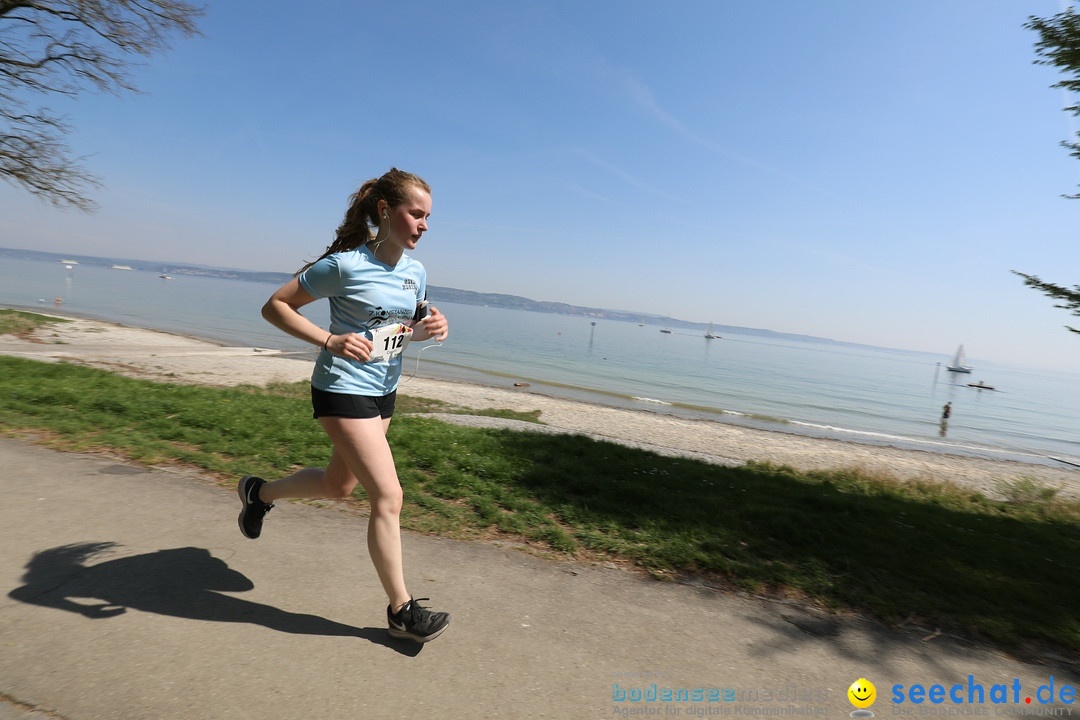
{"points": [[446, 294]]}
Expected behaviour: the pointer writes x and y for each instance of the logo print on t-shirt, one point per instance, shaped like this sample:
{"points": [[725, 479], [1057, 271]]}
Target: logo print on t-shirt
{"points": [[379, 316]]}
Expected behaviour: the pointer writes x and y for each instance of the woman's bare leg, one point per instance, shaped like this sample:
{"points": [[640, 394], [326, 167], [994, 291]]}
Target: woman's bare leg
{"points": [[306, 484], [362, 454]]}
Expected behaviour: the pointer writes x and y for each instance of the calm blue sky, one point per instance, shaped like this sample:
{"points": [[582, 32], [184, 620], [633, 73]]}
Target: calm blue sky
{"points": [[863, 171]]}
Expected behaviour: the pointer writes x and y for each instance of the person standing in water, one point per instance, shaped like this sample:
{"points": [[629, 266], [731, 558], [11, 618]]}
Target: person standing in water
{"points": [[946, 412], [377, 296]]}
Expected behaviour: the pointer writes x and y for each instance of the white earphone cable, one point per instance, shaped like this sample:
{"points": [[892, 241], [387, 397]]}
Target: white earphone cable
{"points": [[417, 368]]}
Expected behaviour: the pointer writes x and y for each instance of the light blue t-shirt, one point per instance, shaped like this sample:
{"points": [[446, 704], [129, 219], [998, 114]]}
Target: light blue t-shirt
{"points": [[364, 293]]}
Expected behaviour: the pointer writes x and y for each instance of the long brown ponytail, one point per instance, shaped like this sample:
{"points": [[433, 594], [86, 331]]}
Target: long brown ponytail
{"points": [[363, 212]]}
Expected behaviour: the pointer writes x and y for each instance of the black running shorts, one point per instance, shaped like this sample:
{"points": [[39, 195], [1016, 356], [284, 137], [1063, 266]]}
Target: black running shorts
{"points": [[331, 404]]}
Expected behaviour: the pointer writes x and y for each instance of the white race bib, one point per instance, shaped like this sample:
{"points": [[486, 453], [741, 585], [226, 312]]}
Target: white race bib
{"points": [[387, 341]]}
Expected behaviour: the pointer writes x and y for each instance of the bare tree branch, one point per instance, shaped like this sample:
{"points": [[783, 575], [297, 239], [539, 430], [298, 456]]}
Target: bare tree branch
{"points": [[65, 47]]}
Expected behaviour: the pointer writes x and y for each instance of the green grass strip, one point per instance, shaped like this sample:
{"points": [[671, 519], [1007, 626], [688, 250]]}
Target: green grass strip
{"points": [[929, 553]]}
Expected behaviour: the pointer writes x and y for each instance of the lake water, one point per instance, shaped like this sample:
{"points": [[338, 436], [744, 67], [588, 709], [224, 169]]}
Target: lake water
{"points": [[856, 393]]}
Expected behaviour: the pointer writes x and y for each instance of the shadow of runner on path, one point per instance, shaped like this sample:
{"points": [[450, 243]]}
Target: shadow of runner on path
{"points": [[180, 582]]}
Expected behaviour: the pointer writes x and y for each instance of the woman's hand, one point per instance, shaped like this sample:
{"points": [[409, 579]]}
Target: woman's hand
{"points": [[350, 345], [433, 326]]}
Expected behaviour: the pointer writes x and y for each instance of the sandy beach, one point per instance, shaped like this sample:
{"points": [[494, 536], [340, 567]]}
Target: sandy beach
{"points": [[168, 357]]}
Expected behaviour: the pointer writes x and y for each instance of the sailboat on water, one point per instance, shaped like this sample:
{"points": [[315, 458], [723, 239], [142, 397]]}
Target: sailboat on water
{"points": [[958, 365], [709, 334]]}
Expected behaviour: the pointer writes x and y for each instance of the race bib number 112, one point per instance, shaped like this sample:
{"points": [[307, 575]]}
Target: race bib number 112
{"points": [[389, 341]]}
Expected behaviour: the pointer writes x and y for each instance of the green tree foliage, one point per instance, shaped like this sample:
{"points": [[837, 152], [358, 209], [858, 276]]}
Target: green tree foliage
{"points": [[64, 47], [1059, 46], [1071, 297]]}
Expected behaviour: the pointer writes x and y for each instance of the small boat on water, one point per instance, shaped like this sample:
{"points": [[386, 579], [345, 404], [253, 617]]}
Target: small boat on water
{"points": [[958, 365], [981, 386], [665, 331], [121, 267], [709, 334]]}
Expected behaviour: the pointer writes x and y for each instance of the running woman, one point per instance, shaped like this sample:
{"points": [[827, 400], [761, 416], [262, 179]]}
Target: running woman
{"points": [[377, 296]]}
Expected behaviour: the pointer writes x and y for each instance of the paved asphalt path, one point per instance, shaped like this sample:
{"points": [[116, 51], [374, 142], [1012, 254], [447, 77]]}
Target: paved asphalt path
{"points": [[130, 593]]}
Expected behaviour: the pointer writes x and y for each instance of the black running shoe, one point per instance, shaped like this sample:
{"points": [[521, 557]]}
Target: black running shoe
{"points": [[417, 623], [251, 515]]}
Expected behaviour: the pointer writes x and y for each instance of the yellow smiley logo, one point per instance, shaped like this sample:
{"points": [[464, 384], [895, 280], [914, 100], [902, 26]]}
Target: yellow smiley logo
{"points": [[862, 693]]}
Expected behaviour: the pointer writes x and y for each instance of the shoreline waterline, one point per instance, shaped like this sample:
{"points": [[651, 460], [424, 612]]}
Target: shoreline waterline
{"points": [[729, 417], [496, 380]]}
